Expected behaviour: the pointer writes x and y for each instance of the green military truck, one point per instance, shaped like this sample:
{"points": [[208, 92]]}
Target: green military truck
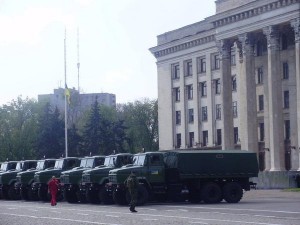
{"points": [[39, 187], [9, 178], [94, 181], [70, 180], [195, 175], [26, 178]]}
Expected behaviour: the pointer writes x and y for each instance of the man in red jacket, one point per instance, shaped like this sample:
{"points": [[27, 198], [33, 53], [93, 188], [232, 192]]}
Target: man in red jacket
{"points": [[52, 189]]}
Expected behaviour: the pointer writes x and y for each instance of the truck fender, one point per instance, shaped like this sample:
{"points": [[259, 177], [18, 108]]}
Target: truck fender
{"points": [[104, 181], [144, 181], [30, 182], [12, 182]]}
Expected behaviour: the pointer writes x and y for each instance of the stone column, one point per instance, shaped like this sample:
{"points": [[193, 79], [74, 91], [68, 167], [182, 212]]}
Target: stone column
{"points": [[296, 26], [277, 155], [224, 47], [247, 95]]}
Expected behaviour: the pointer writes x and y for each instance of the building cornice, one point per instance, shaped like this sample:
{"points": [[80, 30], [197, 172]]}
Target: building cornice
{"points": [[253, 12]]}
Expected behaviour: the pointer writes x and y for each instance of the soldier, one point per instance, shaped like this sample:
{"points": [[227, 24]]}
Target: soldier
{"points": [[132, 185], [52, 189]]}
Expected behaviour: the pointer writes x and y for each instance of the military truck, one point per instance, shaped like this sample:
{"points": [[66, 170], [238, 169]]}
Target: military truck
{"points": [[8, 179], [94, 181], [195, 175], [26, 178], [39, 187], [70, 180]]}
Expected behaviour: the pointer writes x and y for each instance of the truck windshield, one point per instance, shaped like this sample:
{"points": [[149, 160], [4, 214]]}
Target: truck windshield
{"points": [[3, 166], [109, 161], [40, 165], [87, 163], [19, 166], [59, 164], [139, 160]]}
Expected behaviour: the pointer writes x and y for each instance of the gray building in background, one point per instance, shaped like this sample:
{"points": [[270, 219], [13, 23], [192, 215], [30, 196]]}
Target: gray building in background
{"points": [[79, 103]]}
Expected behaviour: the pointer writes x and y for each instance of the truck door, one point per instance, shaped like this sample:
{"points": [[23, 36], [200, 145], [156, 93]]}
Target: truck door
{"points": [[156, 172]]}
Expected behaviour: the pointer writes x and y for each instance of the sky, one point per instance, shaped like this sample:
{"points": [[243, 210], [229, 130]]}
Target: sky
{"points": [[114, 41]]}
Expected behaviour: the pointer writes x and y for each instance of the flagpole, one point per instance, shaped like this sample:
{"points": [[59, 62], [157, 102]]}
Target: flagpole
{"points": [[66, 105]]}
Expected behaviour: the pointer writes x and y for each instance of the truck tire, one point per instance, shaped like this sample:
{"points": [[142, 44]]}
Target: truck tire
{"points": [[43, 194], [70, 196], [31, 195], [24, 194], [81, 198], [92, 197], [12, 193], [143, 195], [119, 197], [232, 192], [211, 193], [104, 196]]}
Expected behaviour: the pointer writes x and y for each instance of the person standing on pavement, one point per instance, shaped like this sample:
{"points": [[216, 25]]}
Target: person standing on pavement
{"points": [[132, 184], [53, 189]]}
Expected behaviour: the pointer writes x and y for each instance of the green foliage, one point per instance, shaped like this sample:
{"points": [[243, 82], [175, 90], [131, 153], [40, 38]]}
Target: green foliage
{"points": [[31, 130]]}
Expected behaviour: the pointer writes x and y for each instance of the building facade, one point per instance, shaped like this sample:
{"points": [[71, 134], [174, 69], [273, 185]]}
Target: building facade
{"points": [[232, 81], [78, 103]]}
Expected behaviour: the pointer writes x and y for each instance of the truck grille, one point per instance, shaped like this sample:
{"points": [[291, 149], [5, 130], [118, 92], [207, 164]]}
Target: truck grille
{"points": [[113, 179], [64, 179], [18, 179], [86, 178]]}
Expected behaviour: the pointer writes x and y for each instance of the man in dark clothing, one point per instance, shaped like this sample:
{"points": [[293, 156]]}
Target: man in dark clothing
{"points": [[52, 189], [132, 184]]}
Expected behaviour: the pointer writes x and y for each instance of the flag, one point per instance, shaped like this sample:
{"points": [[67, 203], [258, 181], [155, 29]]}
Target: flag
{"points": [[68, 94]]}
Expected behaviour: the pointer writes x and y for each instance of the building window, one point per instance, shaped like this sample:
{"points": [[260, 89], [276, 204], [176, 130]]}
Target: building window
{"points": [[178, 117], [218, 111], [287, 129], [235, 135], [218, 86], [191, 139], [232, 59], [188, 68], [219, 137], [261, 131], [177, 94], [285, 70], [191, 115], [178, 140], [201, 65], [260, 103], [260, 77], [216, 62], [204, 138], [189, 90], [233, 83], [286, 99], [234, 109], [204, 113], [203, 89], [175, 71], [284, 42]]}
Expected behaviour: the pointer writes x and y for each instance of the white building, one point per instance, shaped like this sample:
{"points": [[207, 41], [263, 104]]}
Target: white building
{"points": [[233, 81]]}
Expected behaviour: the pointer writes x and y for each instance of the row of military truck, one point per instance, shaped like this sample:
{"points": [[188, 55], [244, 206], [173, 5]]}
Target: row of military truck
{"points": [[210, 176]]}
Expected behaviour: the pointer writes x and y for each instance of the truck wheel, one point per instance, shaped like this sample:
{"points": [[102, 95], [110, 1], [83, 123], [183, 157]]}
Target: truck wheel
{"points": [[31, 195], [81, 197], [43, 195], [119, 197], [232, 192], [142, 197], [92, 197], [104, 196], [24, 194], [211, 193], [70, 196], [12, 193]]}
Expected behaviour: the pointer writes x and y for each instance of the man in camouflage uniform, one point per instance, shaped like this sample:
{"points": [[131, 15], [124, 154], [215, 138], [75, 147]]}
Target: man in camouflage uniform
{"points": [[132, 184]]}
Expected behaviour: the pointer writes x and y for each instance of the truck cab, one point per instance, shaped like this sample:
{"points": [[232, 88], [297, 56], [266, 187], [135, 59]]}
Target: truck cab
{"points": [[41, 178], [8, 179], [71, 179], [26, 178], [94, 181]]}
